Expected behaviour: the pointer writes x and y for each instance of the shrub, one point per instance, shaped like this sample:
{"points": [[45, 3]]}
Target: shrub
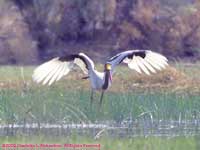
{"points": [[16, 44]]}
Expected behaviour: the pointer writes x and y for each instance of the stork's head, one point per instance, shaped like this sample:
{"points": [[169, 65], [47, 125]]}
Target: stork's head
{"points": [[107, 67]]}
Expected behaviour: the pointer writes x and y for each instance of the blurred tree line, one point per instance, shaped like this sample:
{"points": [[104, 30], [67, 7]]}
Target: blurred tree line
{"points": [[31, 30]]}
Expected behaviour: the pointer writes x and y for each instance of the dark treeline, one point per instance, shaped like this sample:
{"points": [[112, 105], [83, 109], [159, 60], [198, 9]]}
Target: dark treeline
{"points": [[32, 30]]}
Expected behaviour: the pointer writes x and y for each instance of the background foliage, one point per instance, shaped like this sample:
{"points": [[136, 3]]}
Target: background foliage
{"points": [[40, 29]]}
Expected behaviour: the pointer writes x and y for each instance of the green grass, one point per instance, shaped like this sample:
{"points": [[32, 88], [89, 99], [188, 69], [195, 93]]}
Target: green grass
{"points": [[56, 104], [140, 143]]}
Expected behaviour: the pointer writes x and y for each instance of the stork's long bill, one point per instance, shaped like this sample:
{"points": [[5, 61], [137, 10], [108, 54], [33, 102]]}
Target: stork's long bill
{"points": [[142, 61]]}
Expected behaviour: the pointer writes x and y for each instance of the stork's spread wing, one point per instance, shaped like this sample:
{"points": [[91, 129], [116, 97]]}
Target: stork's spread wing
{"points": [[56, 68], [140, 60]]}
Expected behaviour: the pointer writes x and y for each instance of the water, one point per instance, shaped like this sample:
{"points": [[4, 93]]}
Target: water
{"points": [[134, 128]]}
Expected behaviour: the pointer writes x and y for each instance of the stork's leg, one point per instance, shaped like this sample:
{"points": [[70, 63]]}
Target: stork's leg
{"points": [[101, 99], [91, 97]]}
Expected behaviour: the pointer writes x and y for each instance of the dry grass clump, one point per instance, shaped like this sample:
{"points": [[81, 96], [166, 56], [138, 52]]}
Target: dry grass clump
{"points": [[168, 76], [169, 79]]}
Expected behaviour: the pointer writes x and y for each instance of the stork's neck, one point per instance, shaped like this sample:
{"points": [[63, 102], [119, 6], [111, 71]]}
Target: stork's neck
{"points": [[107, 80]]}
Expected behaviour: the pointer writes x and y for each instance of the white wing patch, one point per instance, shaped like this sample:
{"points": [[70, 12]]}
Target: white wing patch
{"points": [[152, 62], [56, 68], [51, 71]]}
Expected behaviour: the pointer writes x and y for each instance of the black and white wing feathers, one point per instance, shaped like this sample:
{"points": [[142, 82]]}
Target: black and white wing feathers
{"points": [[140, 60], [56, 68]]}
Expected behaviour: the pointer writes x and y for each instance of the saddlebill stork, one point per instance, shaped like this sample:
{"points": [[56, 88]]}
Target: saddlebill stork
{"points": [[142, 61]]}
